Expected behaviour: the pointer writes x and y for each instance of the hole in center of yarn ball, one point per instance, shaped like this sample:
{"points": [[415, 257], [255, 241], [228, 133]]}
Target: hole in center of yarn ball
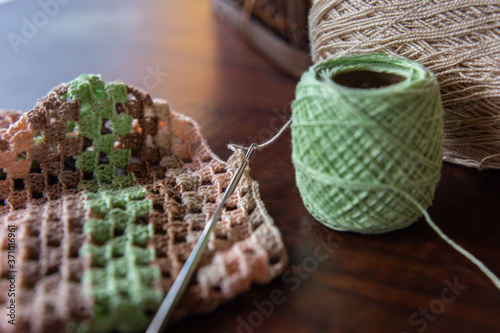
{"points": [[367, 79]]}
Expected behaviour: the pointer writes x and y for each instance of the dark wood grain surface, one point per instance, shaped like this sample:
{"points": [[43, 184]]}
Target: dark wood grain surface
{"points": [[403, 281]]}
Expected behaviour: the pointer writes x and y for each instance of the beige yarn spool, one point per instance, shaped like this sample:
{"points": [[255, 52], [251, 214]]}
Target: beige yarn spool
{"points": [[458, 40]]}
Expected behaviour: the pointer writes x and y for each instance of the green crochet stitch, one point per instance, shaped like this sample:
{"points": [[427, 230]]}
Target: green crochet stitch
{"points": [[97, 104], [120, 278]]}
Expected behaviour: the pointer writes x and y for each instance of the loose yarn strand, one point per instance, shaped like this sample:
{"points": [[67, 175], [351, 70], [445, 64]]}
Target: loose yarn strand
{"points": [[482, 267], [234, 147]]}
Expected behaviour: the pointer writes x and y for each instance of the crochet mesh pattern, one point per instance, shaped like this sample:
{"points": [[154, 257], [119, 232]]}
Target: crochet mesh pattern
{"points": [[48, 289], [120, 276], [108, 209]]}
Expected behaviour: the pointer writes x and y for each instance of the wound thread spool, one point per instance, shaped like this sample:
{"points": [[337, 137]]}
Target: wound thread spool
{"points": [[367, 135], [459, 41]]}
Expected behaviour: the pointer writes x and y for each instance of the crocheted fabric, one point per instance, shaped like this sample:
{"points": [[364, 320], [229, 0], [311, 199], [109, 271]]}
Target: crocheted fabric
{"points": [[103, 194], [459, 41]]}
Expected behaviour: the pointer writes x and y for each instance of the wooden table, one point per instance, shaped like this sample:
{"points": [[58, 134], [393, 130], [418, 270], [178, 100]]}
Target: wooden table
{"points": [[336, 282]]}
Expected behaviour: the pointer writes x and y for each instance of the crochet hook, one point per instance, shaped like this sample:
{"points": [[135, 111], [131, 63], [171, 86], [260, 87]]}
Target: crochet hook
{"points": [[168, 305]]}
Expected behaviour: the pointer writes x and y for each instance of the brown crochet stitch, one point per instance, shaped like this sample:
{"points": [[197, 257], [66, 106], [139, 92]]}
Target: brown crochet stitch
{"points": [[48, 290], [184, 180]]}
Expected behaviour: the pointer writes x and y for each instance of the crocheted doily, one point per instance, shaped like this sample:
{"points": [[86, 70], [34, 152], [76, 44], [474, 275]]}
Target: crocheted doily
{"points": [[103, 194]]}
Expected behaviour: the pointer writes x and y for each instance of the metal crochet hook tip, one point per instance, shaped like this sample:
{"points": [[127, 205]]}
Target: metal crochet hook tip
{"points": [[168, 305]]}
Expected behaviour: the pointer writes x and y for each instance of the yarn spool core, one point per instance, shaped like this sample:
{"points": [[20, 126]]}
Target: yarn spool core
{"points": [[365, 79]]}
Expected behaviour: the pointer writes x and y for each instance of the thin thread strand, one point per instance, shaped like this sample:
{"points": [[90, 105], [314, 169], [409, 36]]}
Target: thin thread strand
{"points": [[259, 146], [482, 267]]}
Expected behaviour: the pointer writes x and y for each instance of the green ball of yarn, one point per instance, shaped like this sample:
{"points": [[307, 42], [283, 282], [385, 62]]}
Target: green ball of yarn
{"points": [[367, 135]]}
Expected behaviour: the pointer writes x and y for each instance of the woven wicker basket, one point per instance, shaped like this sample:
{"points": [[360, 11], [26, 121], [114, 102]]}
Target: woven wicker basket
{"points": [[278, 29]]}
